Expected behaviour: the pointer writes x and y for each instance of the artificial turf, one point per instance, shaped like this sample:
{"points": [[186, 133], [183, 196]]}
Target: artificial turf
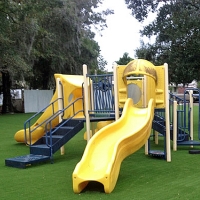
{"points": [[141, 177]]}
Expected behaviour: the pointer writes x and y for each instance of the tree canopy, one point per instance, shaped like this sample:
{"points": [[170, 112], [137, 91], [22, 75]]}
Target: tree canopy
{"points": [[124, 60], [40, 38], [176, 29]]}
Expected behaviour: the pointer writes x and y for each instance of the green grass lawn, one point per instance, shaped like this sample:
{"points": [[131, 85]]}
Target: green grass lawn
{"points": [[141, 177]]}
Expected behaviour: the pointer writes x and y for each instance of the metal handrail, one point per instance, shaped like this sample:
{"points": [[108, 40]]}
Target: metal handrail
{"points": [[185, 120], [62, 96], [184, 126], [178, 99], [27, 123], [49, 121], [48, 126]]}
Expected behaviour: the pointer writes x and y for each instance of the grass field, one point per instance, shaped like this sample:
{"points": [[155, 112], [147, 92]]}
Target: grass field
{"points": [[141, 177]]}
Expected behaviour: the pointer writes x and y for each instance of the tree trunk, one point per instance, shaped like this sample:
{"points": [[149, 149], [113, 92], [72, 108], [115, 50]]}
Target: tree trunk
{"points": [[7, 103]]}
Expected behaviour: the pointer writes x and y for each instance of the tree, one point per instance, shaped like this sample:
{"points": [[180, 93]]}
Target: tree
{"points": [[125, 59], [141, 8], [177, 31], [11, 60], [40, 38], [101, 65], [145, 51]]}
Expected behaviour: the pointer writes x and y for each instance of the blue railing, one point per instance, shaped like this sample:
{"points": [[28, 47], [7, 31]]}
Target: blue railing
{"points": [[27, 123], [49, 130], [103, 93], [183, 113]]}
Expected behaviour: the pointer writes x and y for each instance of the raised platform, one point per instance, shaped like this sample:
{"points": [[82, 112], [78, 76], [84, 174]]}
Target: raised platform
{"points": [[26, 160], [190, 142], [157, 153], [194, 151]]}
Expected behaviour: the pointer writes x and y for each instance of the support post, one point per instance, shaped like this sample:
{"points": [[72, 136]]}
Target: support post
{"points": [[175, 126], [156, 137], [86, 101], [60, 107], [146, 147], [116, 91], [191, 116], [168, 146], [92, 104]]}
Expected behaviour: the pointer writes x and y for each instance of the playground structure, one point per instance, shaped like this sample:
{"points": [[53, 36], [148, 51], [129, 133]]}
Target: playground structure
{"points": [[181, 123], [183, 120], [123, 102]]}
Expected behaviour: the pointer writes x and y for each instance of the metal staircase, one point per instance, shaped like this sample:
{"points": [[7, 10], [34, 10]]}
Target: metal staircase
{"points": [[53, 139], [46, 146], [183, 128], [159, 126]]}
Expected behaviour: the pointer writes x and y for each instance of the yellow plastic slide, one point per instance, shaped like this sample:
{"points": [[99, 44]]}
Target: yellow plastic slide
{"points": [[39, 130], [72, 90], [109, 146]]}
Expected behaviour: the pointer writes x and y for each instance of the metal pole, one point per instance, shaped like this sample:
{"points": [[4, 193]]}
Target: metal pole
{"points": [[86, 99], [168, 148], [191, 116], [60, 107], [116, 91], [175, 126]]}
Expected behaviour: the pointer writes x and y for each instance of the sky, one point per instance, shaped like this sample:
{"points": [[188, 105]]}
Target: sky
{"points": [[121, 35]]}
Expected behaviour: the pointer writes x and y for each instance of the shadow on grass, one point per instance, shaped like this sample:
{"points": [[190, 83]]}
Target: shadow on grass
{"points": [[94, 186]]}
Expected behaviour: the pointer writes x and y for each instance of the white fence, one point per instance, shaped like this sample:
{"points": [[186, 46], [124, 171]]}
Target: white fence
{"points": [[36, 100]]}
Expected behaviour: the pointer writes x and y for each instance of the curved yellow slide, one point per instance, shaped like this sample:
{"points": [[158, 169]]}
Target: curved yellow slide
{"points": [[109, 146], [72, 87], [39, 131]]}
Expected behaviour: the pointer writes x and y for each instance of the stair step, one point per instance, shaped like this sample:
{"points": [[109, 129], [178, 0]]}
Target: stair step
{"points": [[123, 90], [157, 153], [26, 160], [159, 91], [194, 151], [158, 101], [54, 136], [40, 149], [190, 142], [63, 130], [67, 127], [42, 146]]}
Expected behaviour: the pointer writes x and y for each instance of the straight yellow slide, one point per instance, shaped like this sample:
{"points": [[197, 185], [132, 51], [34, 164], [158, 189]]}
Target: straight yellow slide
{"points": [[106, 150]]}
